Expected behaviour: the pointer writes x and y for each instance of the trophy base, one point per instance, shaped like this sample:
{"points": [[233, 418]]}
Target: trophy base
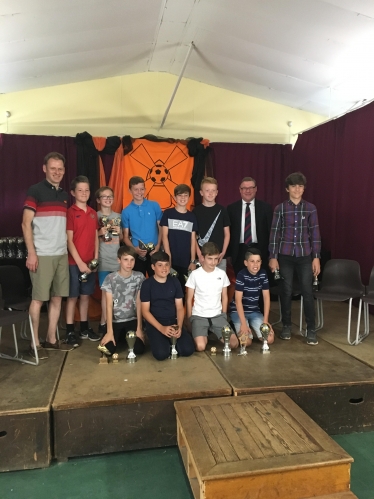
{"points": [[226, 354], [131, 360], [103, 359], [173, 356], [265, 351]]}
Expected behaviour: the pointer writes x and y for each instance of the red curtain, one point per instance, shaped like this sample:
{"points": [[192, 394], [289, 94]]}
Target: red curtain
{"points": [[338, 161]]}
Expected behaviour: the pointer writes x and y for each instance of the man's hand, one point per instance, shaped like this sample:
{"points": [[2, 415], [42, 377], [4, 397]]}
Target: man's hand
{"points": [[83, 268], [157, 248], [244, 329], [316, 266], [142, 253], [192, 266], [220, 257], [140, 334], [273, 264], [168, 331], [32, 262]]}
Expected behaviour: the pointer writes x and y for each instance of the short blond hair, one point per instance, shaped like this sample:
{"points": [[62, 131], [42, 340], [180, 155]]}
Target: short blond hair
{"points": [[208, 180]]}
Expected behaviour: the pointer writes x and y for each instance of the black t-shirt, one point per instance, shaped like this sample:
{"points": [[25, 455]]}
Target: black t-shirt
{"points": [[205, 217], [180, 225], [161, 296]]}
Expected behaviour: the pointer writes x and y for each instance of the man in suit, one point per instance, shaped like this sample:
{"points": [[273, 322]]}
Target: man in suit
{"points": [[250, 225]]}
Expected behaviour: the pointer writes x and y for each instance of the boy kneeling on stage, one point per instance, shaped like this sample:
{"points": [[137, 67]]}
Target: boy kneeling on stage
{"points": [[123, 310], [244, 309], [162, 308], [208, 287]]}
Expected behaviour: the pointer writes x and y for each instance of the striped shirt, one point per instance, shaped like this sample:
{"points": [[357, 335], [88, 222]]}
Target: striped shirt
{"points": [[251, 285], [49, 223], [295, 230]]}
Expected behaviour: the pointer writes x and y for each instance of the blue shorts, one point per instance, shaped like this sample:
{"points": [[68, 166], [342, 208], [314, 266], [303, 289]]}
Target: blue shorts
{"points": [[254, 321], [78, 288], [102, 275]]}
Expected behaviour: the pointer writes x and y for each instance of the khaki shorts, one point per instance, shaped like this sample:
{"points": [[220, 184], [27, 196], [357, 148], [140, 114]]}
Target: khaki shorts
{"points": [[51, 277]]}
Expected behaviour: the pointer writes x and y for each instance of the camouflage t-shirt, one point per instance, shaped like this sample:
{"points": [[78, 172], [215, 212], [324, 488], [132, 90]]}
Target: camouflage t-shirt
{"points": [[124, 291]]}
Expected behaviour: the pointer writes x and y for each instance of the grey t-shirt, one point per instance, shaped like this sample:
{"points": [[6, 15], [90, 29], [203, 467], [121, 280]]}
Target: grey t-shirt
{"points": [[124, 291], [108, 251]]}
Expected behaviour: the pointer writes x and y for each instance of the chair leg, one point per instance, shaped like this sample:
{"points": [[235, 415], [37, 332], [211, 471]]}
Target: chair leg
{"points": [[361, 337], [349, 324], [320, 319], [280, 313]]}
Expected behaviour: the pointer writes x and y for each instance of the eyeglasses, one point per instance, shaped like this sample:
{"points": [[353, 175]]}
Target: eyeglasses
{"points": [[106, 197], [247, 188]]}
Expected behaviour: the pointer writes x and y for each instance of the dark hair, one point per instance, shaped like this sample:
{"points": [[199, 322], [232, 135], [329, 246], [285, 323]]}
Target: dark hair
{"points": [[126, 250], [81, 179], [296, 178], [101, 190], [135, 181], [210, 249], [182, 189], [248, 179], [159, 256], [252, 251], [53, 155]]}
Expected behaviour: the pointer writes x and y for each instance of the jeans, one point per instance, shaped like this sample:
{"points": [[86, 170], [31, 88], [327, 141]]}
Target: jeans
{"points": [[303, 266], [254, 321]]}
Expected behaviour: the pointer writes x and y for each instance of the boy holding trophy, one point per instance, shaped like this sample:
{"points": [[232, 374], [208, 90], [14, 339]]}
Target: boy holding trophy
{"points": [[83, 246]]}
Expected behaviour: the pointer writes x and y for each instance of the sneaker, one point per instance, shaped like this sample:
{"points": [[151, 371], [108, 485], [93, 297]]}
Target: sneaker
{"points": [[103, 349], [102, 330], [71, 340], [311, 338], [42, 354], [89, 334], [286, 333], [58, 345]]}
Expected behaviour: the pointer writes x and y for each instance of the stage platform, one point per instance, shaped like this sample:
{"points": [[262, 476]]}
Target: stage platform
{"points": [[333, 388], [115, 407], [25, 420]]}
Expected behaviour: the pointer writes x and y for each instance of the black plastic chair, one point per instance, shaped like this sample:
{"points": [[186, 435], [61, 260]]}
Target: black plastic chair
{"points": [[368, 299], [15, 294], [341, 281], [11, 318]]}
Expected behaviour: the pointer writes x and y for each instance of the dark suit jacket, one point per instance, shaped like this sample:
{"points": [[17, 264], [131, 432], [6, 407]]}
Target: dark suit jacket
{"points": [[264, 216]]}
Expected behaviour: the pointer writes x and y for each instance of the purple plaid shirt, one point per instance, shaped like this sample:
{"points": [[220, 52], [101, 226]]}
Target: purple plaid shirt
{"points": [[295, 230]]}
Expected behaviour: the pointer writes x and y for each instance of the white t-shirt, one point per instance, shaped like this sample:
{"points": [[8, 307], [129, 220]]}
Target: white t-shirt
{"points": [[208, 291]]}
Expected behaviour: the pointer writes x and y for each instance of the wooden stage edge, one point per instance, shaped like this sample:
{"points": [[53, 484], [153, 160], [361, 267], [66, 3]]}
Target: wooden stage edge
{"points": [[96, 409]]}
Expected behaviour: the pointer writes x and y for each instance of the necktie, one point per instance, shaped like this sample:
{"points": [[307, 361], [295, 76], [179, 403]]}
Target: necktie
{"points": [[247, 226]]}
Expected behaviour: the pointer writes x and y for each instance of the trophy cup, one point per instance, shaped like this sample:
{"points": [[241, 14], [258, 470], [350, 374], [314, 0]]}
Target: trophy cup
{"points": [[130, 339], [148, 247], [21, 248], [315, 283], [116, 224], [11, 250], [226, 334], [173, 273], [2, 247], [265, 331], [92, 265], [107, 237], [213, 351], [243, 343], [115, 358], [173, 339], [277, 275]]}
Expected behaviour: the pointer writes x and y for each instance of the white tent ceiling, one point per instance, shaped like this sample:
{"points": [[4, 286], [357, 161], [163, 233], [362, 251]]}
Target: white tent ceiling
{"points": [[315, 55]]}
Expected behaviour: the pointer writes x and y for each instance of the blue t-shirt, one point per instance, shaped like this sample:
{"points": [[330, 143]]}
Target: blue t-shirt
{"points": [[161, 296], [251, 287], [180, 225], [142, 220]]}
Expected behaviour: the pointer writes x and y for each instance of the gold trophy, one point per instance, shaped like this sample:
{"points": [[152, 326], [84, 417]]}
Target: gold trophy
{"points": [[115, 358], [243, 343], [265, 331], [104, 220], [92, 265], [226, 335], [116, 224], [213, 351], [148, 247], [130, 339], [173, 339]]}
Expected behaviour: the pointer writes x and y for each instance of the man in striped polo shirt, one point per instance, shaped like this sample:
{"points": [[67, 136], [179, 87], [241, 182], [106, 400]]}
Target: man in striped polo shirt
{"points": [[295, 245], [44, 231]]}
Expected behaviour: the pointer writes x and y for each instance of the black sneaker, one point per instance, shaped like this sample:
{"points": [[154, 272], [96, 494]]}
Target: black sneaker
{"points": [[89, 334], [286, 333], [102, 330], [311, 338], [71, 339]]}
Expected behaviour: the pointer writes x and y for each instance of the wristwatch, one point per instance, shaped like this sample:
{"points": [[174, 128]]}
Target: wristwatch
{"points": [[194, 261]]}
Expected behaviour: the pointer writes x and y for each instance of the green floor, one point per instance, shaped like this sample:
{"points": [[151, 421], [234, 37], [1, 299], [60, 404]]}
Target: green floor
{"points": [[151, 474]]}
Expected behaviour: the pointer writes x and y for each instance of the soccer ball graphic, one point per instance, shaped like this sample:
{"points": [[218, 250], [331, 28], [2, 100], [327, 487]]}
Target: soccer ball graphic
{"points": [[158, 173]]}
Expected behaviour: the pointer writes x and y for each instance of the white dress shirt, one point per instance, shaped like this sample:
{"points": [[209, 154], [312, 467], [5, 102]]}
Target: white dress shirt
{"points": [[253, 221]]}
